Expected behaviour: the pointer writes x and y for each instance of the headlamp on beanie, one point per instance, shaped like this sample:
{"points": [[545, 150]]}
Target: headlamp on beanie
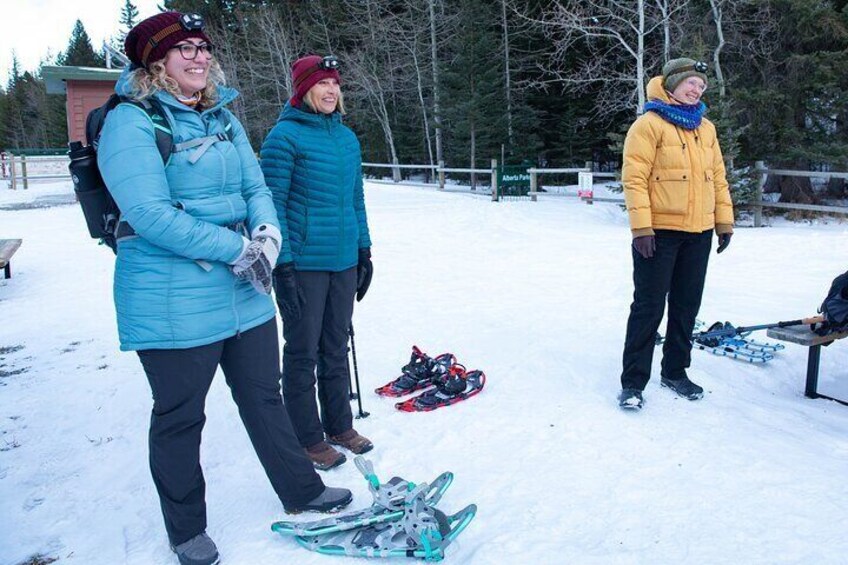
{"points": [[329, 62], [697, 66], [151, 39], [678, 70], [192, 22], [309, 70]]}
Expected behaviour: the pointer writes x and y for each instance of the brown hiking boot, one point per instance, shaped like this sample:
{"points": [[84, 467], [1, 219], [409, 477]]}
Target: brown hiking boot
{"points": [[324, 457], [352, 441]]}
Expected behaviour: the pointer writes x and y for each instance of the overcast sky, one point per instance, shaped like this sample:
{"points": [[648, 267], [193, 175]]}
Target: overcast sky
{"points": [[35, 28]]}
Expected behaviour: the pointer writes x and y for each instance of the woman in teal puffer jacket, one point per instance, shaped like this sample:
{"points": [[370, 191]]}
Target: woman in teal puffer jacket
{"points": [[191, 290], [313, 166]]}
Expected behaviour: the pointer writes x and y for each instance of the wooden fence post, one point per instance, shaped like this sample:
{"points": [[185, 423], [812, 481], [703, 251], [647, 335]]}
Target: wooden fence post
{"points": [[24, 171], [534, 185], [585, 186], [494, 180], [13, 172], [758, 194], [441, 171]]}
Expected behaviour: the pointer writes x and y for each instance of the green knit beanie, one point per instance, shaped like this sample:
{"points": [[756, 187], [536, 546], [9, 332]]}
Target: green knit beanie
{"points": [[677, 70]]}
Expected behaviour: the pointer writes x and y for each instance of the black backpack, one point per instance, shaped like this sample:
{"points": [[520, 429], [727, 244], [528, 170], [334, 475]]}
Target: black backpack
{"points": [[835, 307], [102, 215]]}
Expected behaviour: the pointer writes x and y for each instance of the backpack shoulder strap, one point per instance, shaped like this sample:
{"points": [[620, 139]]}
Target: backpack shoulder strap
{"points": [[228, 123], [161, 127], [94, 120]]}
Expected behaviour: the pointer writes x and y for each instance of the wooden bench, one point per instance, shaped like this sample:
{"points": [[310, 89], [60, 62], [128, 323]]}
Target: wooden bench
{"points": [[7, 249], [803, 335]]}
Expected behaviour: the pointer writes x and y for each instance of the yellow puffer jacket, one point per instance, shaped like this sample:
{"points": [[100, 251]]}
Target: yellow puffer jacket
{"points": [[674, 178]]}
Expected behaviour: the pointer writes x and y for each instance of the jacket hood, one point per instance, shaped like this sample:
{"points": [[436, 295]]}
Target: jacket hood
{"points": [[289, 112], [656, 90], [123, 88]]}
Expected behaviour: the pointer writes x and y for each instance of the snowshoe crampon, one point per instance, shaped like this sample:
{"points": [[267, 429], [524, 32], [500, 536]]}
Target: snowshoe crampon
{"points": [[388, 505], [423, 535], [420, 373], [403, 521], [457, 385]]}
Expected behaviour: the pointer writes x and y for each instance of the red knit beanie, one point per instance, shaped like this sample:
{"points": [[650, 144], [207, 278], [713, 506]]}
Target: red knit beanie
{"points": [[306, 72], [150, 39]]}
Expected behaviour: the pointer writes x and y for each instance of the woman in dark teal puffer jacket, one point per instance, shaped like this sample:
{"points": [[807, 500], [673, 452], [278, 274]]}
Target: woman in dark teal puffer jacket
{"points": [[313, 166]]}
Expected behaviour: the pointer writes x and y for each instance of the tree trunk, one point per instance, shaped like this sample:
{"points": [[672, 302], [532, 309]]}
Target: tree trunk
{"points": [[507, 85], [716, 6], [473, 155], [437, 112], [640, 57]]}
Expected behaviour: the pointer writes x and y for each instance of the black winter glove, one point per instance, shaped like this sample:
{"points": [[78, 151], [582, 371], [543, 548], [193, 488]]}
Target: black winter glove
{"points": [[290, 296], [723, 241], [364, 272], [645, 245]]}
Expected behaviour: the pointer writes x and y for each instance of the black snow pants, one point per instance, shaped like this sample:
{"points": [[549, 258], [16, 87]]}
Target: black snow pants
{"points": [[319, 339], [180, 379], [677, 270]]}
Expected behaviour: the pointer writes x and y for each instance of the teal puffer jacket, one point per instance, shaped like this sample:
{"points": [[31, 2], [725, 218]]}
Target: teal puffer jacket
{"points": [[173, 286], [313, 166]]}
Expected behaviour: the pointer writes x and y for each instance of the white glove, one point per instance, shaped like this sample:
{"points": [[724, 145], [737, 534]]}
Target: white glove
{"points": [[258, 258], [270, 232]]}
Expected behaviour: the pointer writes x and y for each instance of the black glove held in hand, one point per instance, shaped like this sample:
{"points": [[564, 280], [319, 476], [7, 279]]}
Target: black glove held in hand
{"points": [[645, 245], [364, 272], [289, 294], [723, 241]]}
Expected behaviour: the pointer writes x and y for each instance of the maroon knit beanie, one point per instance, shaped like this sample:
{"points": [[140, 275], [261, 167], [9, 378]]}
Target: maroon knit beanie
{"points": [[150, 39], [307, 71]]}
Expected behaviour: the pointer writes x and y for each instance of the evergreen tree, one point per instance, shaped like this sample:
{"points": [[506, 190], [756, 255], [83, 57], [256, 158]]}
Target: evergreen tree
{"points": [[129, 17], [80, 53], [475, 105]]}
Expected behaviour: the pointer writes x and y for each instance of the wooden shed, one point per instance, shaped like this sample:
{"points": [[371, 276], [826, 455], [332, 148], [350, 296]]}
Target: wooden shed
{"points": [[86, 87]]}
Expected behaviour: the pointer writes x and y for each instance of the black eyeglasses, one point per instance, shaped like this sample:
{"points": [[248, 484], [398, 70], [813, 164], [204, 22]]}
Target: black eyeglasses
{"points": [[189, 50]]}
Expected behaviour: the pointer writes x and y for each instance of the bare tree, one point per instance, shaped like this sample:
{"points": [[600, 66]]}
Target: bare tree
{"points": [[667, 9], [614, 34]]}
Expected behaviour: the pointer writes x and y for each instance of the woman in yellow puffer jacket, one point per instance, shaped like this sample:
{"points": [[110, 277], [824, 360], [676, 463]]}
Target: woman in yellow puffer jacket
{"points": [[676, 193]]}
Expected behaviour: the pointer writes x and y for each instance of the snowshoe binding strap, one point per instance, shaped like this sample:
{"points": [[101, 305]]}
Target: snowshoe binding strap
{"points": [[419, 373]]}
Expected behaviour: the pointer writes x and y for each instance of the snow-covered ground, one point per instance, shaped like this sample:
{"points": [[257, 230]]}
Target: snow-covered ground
{"points": [[536, 295]]}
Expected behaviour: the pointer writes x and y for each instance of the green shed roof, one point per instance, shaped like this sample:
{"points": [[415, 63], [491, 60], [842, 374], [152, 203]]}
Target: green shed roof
{"points": [[55, 76]]}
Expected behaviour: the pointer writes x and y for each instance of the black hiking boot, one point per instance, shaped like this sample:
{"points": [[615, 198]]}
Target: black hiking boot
{"points": [[630, 399], [331, 500], [199, 550], [684, 387]]}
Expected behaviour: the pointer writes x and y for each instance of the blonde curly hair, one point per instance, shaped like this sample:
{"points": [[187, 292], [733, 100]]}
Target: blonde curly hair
{"points": [[145, 82]]}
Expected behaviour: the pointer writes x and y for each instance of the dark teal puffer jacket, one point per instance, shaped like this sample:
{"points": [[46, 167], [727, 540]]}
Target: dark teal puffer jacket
{"points": [[312, 163]]}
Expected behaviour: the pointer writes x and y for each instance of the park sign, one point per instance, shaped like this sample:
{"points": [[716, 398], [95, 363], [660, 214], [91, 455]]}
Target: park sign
{"points": [[513, 180]]}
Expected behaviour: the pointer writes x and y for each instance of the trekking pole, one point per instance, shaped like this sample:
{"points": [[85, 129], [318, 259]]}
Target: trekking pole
{"points": [[356, 375], [732, 331], [351, 395]]}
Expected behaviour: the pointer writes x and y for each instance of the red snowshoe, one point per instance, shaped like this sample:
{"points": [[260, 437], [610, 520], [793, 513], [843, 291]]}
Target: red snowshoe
{"points": [[456, 386], [421, 372]]}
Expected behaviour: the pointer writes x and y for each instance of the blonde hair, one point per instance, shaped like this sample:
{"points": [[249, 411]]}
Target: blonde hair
{"points": [[145, 82], [313, 104]]}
